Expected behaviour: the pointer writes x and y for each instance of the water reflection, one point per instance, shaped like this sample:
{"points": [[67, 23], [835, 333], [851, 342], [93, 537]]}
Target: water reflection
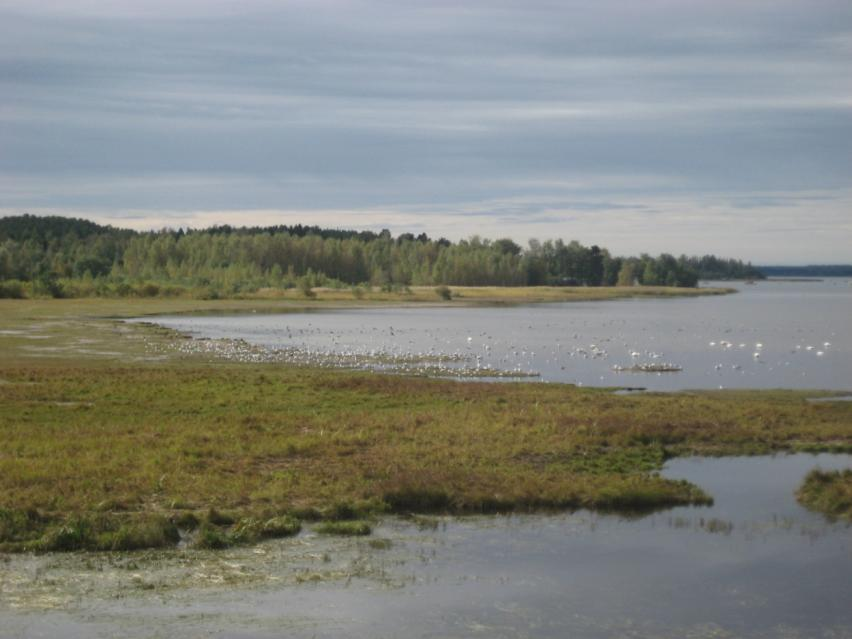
{"points": [[772, 335], [755, 564]]}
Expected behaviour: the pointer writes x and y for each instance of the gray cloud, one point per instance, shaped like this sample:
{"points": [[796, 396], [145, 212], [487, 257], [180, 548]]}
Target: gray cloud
{"points": [[557, 117]]}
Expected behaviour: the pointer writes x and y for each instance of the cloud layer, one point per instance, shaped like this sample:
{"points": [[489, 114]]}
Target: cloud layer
{"points": [[663, 125]]}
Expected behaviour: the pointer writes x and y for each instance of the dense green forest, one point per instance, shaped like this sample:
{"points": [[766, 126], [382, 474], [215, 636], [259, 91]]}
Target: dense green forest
{"points": [[57, 256]]}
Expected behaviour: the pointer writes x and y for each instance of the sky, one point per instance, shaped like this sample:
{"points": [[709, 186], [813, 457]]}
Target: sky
{"points": [[682, 126]]}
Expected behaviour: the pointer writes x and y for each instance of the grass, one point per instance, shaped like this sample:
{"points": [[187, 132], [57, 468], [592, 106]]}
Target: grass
{"points": [[230, 441], [121, 451], [829, 493], [344, 528]]}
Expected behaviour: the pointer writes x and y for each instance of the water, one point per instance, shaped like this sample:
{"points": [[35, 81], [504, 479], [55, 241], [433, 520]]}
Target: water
{"points": [[754, 565], [769, 335]]}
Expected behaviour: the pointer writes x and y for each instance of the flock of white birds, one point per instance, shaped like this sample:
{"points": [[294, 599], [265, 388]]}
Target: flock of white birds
{"points": [[445, 352]]}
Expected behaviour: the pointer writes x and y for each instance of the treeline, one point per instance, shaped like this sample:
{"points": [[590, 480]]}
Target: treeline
{"points": [[60, 256], [812, 270]]}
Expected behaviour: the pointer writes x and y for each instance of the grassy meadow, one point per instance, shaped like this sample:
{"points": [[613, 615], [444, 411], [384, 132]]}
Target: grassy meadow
{"points": [[110, 441]]}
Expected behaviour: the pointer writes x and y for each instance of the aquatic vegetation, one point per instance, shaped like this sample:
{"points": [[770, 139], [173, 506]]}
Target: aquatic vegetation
{"points": [[349, 528], [155, 532], [250, 529], [828, 492], [37, 532], [213, 538], [380, 544]]}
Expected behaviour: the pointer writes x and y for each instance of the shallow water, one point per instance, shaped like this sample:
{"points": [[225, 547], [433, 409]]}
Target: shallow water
{"points": [[769, 335], [753, 565]]}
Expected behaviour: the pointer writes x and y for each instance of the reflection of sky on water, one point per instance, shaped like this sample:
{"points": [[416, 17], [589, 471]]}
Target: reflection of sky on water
{"points": [[772, 334], [754, 565]]}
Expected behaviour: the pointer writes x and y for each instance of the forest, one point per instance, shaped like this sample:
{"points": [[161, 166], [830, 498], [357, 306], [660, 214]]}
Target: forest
{"points": [[811, 270], [65, 257]]}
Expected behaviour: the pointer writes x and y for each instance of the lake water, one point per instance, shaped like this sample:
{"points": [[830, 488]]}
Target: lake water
{"points": [[769, 335], [754, 565]]}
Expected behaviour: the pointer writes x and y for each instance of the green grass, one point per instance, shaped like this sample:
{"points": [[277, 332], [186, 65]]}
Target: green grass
{"points": [[233, 440], [829, 493], [102, 452]]}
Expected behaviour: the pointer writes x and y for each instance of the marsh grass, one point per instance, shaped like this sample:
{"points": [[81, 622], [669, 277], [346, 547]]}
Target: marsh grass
{"points": [[829, 493], [113, 446], [98, 453], [344, 528]]}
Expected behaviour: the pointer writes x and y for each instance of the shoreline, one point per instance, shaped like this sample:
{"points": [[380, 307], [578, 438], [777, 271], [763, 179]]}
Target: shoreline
{"points": [[120, 449]]}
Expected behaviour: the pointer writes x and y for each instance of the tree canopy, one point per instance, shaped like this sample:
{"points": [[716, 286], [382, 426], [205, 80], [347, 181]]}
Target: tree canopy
{"points": [[227, 260]]}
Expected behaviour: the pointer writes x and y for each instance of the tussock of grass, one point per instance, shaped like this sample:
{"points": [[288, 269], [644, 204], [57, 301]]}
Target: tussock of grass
{"points": [[250, 530], [344, 528], [152, 533], [829, 493], [213, 538], [220, 518], [32, 531]]}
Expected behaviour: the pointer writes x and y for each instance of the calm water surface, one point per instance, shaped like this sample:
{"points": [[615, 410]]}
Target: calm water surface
{"points": [[769, 335], [753, 565]]}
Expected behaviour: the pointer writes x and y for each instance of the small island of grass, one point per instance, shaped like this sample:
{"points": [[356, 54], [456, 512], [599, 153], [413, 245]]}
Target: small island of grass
{"points": [[828, 492]]}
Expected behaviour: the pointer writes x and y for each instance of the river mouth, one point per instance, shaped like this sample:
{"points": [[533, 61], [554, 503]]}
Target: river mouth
{"points": [[755, 564]]}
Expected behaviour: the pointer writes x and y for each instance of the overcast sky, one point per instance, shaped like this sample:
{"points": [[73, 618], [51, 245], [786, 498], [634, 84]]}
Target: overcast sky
{"points": [[644, 126]]}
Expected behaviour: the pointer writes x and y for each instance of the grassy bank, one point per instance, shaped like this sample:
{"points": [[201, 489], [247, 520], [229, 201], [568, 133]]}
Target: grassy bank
{"points": [[413, 294], [829, 493], [92, 454]]}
